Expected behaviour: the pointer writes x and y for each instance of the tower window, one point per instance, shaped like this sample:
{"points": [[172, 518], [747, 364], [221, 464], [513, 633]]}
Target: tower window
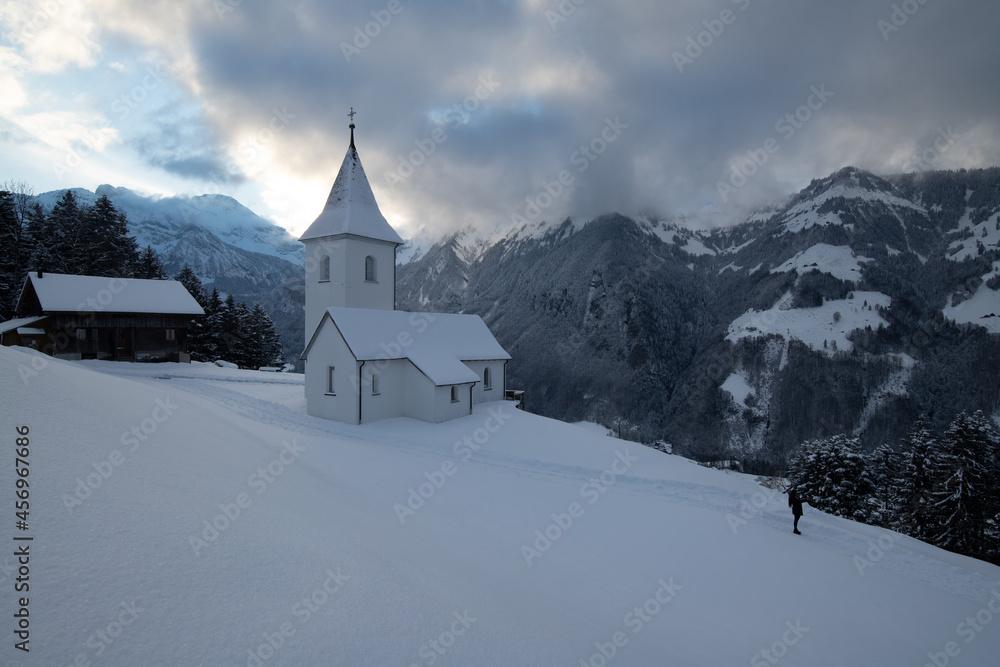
{"points": [[370, 269], [487, 378], [330, 385], [324, 268]]}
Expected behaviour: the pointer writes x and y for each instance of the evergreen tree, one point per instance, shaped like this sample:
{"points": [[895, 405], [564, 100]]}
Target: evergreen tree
{"points": [[263, 341], [883, 466], [57, 237], [16, 244], [37, 227], [9, 255], [149, 266], [830, 474], [961, 506], [241, 344], [193, 285], [208, 344], [109, 250], [196, 325], [231, 319], [919, 459]]}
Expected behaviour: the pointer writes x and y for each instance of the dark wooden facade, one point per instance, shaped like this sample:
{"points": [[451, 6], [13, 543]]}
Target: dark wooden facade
{"points": [[112, 336]]}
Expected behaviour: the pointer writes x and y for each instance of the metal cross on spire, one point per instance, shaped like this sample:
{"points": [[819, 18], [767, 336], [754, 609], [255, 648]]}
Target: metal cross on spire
{"points": [[351, 116]]}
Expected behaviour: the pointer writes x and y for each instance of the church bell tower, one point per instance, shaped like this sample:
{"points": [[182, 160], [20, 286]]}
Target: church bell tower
{"points": [[350, 248]]}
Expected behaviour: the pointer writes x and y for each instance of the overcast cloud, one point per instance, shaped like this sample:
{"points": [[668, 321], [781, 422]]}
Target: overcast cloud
{"points": [[487, 112]]}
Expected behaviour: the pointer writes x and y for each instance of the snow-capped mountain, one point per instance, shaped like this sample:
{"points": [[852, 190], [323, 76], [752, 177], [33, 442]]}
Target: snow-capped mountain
{"points": [[160, 221], [858, 304]]}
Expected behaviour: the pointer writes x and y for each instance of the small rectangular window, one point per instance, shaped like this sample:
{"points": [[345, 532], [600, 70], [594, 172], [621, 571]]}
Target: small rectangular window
{"points": [[454, 394], [81, 334], [375, 390], [171, 335], [330, 384]]}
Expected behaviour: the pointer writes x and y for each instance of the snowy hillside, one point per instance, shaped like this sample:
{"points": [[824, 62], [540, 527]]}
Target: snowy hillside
{"points": [[191, 515]]}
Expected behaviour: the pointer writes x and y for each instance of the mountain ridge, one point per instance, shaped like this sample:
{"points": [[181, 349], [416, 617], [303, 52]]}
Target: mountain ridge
{"points": [[833, 310]]}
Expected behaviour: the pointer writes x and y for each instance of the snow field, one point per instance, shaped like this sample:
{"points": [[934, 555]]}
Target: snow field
{"points": [[839, 261], [829, 323], [664, 562], [982, 308]]}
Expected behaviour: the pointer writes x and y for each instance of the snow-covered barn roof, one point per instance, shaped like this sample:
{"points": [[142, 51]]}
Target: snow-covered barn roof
{"points": [[86, 294], [351, 207], [21, 322], [436, 343]]}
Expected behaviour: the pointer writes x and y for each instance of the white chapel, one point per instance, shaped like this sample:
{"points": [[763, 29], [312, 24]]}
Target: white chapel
{"points": [[365, 360]]}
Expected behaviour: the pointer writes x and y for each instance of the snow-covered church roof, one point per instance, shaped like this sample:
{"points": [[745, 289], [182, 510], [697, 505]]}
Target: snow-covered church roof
{"points": [[351, 207], [57, 292], [436, 343]]}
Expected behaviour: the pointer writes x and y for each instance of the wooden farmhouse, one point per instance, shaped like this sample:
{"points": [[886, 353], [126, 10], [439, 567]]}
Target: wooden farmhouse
{"points": [[90, 317], [365, 360]]}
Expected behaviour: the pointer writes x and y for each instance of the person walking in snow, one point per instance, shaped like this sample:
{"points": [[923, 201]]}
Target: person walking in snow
{"points": [[796, 504]]}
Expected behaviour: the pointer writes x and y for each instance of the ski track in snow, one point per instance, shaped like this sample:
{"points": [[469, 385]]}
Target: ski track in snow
{"points": [[825, 530]]}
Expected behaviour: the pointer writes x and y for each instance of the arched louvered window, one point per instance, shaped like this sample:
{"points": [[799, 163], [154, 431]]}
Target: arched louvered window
{"points": [[487, 378], [370, 269], [324, 268]]}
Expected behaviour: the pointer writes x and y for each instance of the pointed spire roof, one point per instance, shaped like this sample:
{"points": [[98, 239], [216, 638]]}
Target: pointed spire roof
{"points": [[351, 207]]}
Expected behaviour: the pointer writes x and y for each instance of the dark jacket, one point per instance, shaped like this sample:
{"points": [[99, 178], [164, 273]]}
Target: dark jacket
{"points": [[795, 502]]}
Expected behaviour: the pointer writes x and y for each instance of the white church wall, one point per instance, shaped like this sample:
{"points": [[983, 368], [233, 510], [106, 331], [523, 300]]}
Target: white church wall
{"points": [[328, 350], [346, 286], [323, 294], [480, 393], [445, 409], [419, 399], [380, 293], [390, 400]]}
